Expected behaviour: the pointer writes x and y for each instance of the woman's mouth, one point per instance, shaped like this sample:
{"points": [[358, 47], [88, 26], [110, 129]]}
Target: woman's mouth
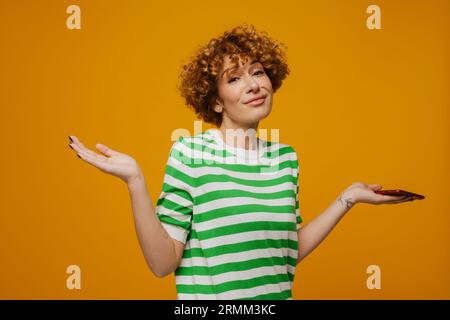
{"points": [[257, 102]]}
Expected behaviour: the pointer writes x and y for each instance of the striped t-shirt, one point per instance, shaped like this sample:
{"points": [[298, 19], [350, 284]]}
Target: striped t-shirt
{"points": [[237, 212]]}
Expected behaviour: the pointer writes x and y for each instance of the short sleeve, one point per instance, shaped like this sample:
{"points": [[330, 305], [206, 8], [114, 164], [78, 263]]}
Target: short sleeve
{"points": [[298, 216], [174, 205]]}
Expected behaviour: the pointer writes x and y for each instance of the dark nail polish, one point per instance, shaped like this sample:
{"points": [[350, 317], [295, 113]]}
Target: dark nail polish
{"points": [[78, 156], [70, 147], [70, 139]]}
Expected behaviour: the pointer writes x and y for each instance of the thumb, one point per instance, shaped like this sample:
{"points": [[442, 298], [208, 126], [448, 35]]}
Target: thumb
{"points": [[105, 150], [375, 187]]}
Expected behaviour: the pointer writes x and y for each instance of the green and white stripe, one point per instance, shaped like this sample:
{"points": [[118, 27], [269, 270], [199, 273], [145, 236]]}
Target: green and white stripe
{"points": [[237, 211]]}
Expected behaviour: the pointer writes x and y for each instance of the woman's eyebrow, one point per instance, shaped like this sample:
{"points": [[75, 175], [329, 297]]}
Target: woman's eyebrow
{"points": [[231, 68]]}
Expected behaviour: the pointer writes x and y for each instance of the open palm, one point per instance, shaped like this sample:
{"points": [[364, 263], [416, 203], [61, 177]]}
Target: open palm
{"points": [[109, 161], [365, 193]]}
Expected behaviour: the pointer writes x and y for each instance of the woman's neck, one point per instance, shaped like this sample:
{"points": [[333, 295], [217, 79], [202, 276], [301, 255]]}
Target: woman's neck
{"points": [[239, 136]]}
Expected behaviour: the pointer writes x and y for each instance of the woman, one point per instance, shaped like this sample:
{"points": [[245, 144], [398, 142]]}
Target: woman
{"points": [[227, 221]]}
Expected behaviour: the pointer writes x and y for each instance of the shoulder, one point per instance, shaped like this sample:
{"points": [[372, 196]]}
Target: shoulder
{"points": [[186, 148], [283, 150], [288, 152], [199, 138], [188, 144]]}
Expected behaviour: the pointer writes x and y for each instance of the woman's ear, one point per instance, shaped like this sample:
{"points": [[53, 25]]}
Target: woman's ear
{"points": [[218, 106]]}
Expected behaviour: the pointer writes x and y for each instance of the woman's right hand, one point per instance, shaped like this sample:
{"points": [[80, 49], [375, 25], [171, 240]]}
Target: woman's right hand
{"points": [[110, 161]]}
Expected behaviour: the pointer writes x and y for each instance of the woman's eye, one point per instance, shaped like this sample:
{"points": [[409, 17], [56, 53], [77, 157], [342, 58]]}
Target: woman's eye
{"points": [[236, 78]]}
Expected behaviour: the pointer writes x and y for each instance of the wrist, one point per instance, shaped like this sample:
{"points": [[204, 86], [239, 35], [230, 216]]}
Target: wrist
{"points": [[135, 180], [347, 200]]}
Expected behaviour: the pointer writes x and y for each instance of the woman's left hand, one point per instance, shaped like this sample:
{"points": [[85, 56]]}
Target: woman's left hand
{"points": [[360, 192]]}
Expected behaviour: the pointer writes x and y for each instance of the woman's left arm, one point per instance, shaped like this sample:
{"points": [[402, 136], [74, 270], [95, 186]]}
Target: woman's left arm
{"points": [[313, 233]]}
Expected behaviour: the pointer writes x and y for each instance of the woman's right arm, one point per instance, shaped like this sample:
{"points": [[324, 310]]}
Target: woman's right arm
{"points": [[162, 253]]}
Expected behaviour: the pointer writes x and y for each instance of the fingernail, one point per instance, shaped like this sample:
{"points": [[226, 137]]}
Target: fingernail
{"points": [[70, 147], [78, 156], [70, 139]]}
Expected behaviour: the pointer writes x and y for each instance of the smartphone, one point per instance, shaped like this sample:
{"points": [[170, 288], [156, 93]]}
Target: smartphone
{"points": [[398, 192]]}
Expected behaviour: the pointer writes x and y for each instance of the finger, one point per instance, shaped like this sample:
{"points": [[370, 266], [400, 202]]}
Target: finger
{"points": [[105, 150], [79, 149], [375, 186], [75, 140], [78, 143], [392, 197], [99, 163], [88, 155], [80, 152], [401, 199], [379, 198]]}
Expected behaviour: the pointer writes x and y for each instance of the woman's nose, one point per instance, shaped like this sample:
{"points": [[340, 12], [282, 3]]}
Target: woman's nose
{"points": [[252, 84]]}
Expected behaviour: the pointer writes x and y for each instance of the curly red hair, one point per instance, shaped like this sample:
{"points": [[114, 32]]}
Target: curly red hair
{"points": [[199, 76]]}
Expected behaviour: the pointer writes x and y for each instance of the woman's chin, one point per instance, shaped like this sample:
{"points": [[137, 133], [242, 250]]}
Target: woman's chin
{"points": [[261, 116], [263, 112]]}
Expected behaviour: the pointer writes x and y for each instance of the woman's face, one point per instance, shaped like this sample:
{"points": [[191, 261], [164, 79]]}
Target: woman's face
{"points": [[237, 87]]}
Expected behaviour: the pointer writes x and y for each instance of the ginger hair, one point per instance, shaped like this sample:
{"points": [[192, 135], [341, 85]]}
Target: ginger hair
{"points": [[199, 77]]}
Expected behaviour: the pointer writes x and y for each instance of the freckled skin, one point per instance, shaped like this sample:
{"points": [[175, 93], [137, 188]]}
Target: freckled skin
{"points": [[237, 86]]}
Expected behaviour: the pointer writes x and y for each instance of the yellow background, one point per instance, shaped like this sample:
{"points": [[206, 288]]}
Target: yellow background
{"points": [[359, 105]]}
